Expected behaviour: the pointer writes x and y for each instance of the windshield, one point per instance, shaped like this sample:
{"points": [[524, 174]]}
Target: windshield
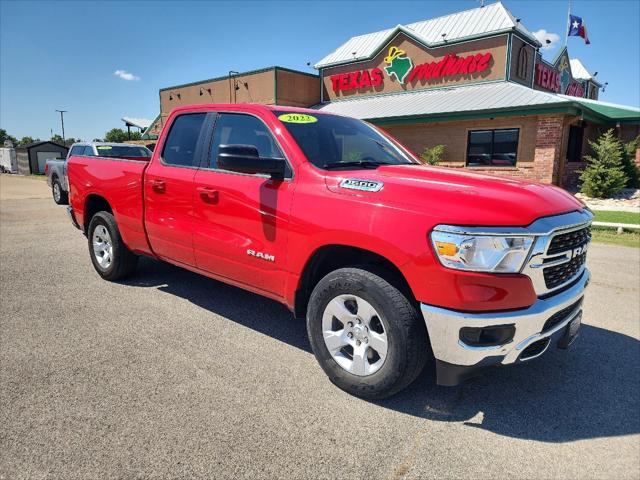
{"points": [[123, 151], [334, 142]]}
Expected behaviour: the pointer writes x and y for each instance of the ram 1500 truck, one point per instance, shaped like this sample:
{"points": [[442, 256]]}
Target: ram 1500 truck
{"points": [[390, 261]]}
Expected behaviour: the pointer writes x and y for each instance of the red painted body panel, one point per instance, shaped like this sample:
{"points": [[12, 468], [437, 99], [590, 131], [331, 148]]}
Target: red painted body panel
{"points": [[207, 220]]}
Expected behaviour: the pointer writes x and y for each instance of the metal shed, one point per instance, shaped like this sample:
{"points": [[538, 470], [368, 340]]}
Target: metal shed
{"points": [[33, 156]]}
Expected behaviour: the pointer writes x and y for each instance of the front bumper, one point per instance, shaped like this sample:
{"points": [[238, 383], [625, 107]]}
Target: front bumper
{"points": [[457, 361]]}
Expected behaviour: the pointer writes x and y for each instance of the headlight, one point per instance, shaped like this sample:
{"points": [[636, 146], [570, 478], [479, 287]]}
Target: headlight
{"points": [[482, 253]]}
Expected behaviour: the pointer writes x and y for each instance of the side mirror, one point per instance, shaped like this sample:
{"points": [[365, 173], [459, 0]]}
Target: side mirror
{"points": [[245, 159]]}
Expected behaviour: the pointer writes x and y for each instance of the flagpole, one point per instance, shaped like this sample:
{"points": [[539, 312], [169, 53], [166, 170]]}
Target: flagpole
{"points": [[566, 37]]}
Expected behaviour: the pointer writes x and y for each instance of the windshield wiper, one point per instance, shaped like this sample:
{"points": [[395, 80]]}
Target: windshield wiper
{"points": [[362, 164]]}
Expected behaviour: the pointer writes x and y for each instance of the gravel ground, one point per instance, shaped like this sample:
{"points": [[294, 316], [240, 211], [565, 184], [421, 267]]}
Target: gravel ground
{"points": [[174, 375]]}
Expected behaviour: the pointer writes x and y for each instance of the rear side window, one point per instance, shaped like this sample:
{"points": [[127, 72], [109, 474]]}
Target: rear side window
{"points": [[241, 129], [180, 146]]}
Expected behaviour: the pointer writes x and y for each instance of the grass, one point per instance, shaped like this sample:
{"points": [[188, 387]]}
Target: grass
{"points": [[610, 236], [617, 217]]}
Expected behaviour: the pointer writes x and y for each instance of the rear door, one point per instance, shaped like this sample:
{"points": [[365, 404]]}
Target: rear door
{"points": [[241, 220], [168, 189]]}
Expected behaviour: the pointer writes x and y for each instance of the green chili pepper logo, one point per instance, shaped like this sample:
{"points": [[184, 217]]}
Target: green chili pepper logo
{"points": [[399, 65]]}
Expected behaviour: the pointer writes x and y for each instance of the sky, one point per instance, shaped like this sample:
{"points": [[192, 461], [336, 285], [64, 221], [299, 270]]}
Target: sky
{"points": [[102, 61]]}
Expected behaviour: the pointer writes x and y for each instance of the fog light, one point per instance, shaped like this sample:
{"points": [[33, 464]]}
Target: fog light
{"points": [[487, 336]]}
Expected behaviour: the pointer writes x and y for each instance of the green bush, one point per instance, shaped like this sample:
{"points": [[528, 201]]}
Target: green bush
{"points": [[604, 175], [629, 166], [432, 155]]}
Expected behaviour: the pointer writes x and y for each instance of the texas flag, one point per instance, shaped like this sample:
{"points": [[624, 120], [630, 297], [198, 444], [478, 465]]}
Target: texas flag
{"points": [[577, 28]]}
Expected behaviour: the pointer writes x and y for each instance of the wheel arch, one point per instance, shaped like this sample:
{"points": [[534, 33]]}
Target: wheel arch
{"points": [[93, 204], [331, 257]]}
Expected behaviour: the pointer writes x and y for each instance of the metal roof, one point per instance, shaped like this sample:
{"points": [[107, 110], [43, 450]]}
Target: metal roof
{"points": [[141, 123], [481, 21], [580, 72], [476, 101], [485, 96], [613, 111]]}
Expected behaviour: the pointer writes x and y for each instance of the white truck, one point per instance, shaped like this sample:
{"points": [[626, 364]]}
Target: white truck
{"points": [[56, 169]]}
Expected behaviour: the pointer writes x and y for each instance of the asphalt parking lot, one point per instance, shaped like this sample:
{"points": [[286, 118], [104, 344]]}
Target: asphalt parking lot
{"points": [[171, 374]]}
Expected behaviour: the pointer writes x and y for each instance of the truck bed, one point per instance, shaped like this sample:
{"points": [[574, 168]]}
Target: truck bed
{"points": [[120, 182]]}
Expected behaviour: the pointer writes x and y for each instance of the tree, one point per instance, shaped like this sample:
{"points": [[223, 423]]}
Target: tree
{"points": [[57, 139], [4, 136], [432, 155], [27, 140], [629, 165], [118, 135], [604, 175]]}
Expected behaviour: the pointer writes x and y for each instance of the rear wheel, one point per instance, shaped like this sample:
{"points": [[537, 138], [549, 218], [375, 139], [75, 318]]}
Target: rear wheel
{"points": [[110, 256], [365, 333], [59, 195]]}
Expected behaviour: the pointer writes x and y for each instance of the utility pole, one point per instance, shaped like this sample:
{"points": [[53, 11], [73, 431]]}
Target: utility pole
{"points": [[62, 112]]}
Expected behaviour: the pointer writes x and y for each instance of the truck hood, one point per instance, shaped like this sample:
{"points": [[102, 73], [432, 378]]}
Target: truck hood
{"points": [[459, 197]]}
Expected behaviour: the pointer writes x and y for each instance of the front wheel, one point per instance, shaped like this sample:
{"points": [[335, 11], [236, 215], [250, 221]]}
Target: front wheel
{"points": [[59, 195], [110, 256], [365, 333]]}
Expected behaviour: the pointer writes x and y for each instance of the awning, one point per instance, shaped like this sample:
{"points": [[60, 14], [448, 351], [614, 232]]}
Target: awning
{"points": [[490, 99], [612, 111]]}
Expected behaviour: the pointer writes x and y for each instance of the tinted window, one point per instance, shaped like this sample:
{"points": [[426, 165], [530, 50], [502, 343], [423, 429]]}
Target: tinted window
{"points": [[88, 150], [180, 145], [77, 150], [335, 142], [240, 129], [493, 148]]}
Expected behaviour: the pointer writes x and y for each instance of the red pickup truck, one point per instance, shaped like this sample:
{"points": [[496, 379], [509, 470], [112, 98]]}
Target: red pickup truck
{"points": [[390, 261]]}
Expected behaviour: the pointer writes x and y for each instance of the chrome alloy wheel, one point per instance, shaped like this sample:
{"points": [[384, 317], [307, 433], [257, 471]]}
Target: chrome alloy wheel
{"points": [[102, 246], [354, 334], [56, 191]]}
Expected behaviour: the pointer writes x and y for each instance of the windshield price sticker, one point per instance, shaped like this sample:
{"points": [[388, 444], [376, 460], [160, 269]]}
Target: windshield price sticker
{"points": [[104, 147], [297, 118]]}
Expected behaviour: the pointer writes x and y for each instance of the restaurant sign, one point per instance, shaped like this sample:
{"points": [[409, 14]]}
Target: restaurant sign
{"points": [[401, 69], [557, 78]]}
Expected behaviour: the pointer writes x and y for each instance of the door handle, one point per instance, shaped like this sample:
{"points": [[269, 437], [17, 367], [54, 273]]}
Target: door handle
{"points": [[207, 194], [158, 186]]}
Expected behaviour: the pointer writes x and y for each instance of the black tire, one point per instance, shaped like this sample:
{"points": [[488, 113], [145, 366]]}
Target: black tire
{"points": [[62, 198], [123, 261], [407, 350]]}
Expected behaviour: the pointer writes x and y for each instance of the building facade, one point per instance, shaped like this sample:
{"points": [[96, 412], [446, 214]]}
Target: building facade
{"points": [[473, 81], [32, 158]]}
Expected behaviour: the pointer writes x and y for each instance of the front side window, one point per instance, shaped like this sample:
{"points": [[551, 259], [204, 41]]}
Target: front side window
{"points": [[333, 142], [242, 129], [493, 148], [88, 151], [180, 146]]}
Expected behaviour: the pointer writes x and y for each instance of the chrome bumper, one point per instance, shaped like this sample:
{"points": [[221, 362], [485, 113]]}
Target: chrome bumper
{"points": [[72, 217], [444, 327]]}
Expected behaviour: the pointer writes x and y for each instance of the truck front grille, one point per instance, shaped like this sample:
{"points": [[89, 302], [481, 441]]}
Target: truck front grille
{"points": [[568, 241], [555, 276]]}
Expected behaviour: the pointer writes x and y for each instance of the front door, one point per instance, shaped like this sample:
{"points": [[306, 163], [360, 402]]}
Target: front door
{"points": [[168, 190], [241, 220]]}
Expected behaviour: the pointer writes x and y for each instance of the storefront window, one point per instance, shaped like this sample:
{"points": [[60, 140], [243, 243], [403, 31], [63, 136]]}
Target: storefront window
{"points": [[493, 148]]}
